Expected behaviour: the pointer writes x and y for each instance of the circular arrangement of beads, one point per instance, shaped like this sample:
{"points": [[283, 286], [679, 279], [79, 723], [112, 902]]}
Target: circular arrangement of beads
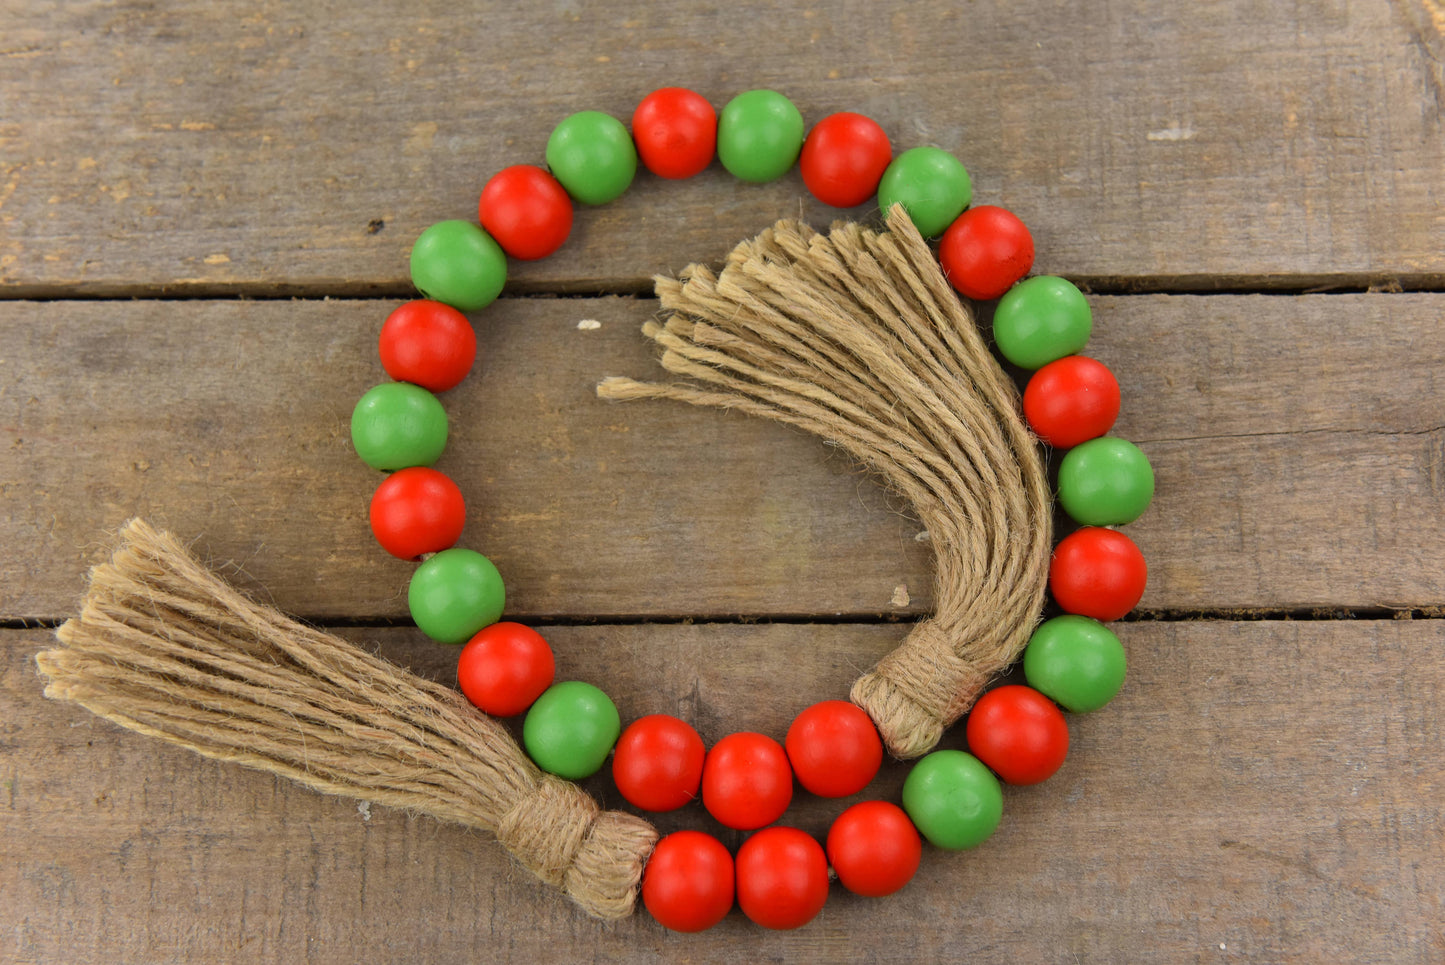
{"points": [[1016, 734]]}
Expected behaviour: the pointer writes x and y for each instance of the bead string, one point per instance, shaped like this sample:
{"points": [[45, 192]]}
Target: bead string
{"points": [[1017, 734]]}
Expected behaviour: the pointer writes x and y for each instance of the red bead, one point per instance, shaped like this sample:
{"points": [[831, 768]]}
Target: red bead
{"points": [[658, 763], [746, 781], [782, 878], [1019, 733], [676, 132], [834, 748], [844, 158], [504, 668], [688, 882], [985, 251], [1071, 400], [874, 848], [1097, 572], [417, 510], [526, 210], [428, 344]]}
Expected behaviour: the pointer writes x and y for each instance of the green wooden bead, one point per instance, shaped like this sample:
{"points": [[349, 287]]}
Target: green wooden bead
{"points": [[1105, 482], [953, 799], [1041, 319], [454, 594], [396, 425], [759, 135], [931, 184], [1076, 662], [593, 156], [570, 730], [459, 264]]}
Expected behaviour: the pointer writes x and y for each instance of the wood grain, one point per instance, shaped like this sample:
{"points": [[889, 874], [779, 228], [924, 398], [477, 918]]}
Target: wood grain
{"points": [[1296, 442], [1263, 790], [300, 148], [1260, 791]]}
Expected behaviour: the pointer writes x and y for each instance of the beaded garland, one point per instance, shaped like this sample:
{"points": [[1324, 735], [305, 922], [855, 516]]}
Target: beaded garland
{"points": [[1017, 734]]}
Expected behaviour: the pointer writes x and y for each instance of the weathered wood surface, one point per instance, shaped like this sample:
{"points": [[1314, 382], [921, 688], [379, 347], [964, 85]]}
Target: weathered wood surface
{"points": [[1260, 792], [302, 147], [1266, 791], [1297, 444]]}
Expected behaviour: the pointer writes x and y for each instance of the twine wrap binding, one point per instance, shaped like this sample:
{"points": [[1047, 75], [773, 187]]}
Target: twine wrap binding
{"points": [[855, 336]]}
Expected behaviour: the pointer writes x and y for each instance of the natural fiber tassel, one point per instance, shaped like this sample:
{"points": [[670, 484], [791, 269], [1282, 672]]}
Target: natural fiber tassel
{"points": [[164, 647], [857, 337]]}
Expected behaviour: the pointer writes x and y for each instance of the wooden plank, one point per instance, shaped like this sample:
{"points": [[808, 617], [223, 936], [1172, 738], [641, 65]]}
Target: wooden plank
{"points": [[221, 147], [1316, 484], [232, 419], [1262, 791]]}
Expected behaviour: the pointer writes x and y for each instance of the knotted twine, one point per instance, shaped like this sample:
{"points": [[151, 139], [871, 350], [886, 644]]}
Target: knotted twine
{"points": [[855, 336]]}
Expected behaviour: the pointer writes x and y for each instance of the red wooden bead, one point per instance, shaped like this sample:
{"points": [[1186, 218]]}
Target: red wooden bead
{"points": [[874, 848], [834, 748], [985, 251], [782, 878], [504, 668], [844, 158], [417, 510], [688, 882], [658, 763], [1097, 572], [746, 781], [1019, 733], [428, 344], [526, 210], [1071, 400], [675, 131]]}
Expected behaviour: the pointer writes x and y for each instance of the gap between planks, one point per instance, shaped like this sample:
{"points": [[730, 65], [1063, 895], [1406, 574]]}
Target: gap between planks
{"points": [[1217, 615], [1282, 285]]}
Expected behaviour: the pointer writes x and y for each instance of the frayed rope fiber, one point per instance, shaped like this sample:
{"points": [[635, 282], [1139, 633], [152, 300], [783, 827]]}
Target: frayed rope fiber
{"points": [[857, 337], [166, 648]]}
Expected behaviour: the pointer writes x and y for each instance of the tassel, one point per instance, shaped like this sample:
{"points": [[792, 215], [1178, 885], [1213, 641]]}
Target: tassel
{"points": [[166, 648], [857, 337]]}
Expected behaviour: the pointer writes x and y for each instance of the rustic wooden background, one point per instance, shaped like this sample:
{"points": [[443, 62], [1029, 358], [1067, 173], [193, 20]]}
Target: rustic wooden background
{"points": [[205, 211]]}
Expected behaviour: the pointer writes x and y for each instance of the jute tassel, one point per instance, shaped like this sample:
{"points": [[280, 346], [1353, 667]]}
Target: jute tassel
{"points": [[164, 647], [857, 337]]}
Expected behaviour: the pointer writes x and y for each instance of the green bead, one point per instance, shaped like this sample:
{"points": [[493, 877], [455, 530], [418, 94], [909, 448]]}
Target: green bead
{"points": [[459, 264], [1041, 319], [1076, 662], [1105, 482], [396, 425], [454, 594], [571, 729], [953, 799], [759, 135], [931, 184], [593, 156]]}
